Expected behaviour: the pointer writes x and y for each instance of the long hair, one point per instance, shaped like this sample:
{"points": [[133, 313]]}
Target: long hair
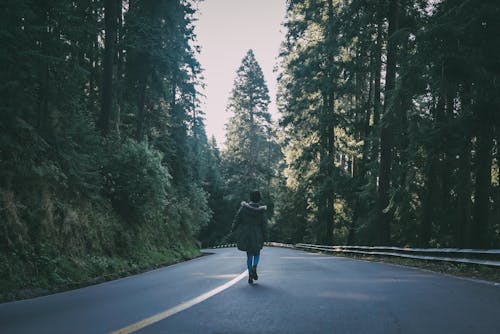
{"points": [[255, 196]]}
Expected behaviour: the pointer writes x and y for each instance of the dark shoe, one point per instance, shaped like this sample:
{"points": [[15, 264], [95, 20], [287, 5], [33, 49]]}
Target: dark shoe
{"points": [[254, 273], [250, 279]]}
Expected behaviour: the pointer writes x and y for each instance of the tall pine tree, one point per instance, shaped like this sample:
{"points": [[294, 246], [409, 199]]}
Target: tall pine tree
{"points": [[249, 131]]}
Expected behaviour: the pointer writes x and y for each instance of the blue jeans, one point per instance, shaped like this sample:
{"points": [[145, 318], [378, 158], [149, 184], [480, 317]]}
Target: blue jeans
{"points": [[252, 260]]}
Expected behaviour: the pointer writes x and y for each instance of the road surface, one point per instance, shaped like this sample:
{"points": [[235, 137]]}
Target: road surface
{"points": [[297, 292]]}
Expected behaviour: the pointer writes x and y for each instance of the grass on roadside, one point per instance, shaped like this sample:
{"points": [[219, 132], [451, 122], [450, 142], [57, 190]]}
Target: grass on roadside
{"points": [[65, 273]]}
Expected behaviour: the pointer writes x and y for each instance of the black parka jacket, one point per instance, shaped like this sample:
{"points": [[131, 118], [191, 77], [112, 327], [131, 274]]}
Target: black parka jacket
{"points": [[249, 226]]}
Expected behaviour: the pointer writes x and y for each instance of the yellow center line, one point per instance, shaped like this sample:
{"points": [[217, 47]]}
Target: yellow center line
{"points": [[179, 308]]}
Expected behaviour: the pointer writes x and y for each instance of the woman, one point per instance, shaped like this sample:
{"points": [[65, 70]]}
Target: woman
{"points": [[250, 227]]}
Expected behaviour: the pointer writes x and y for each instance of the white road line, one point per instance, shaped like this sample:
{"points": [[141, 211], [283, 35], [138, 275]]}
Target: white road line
{"points": [[308, 258], [179, 308]]}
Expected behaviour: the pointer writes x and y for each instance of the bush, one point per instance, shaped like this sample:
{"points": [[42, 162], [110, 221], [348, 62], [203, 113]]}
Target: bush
{"points": [[136, 182]]}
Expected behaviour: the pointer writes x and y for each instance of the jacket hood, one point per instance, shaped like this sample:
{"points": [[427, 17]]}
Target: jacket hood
{"points": [[254, 206]]}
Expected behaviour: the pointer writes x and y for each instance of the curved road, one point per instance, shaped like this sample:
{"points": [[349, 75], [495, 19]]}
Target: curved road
{"points": [[297, 292]]}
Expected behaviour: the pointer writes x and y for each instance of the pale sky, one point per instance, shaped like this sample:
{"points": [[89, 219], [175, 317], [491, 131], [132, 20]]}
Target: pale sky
{"points": [[226, 30]]}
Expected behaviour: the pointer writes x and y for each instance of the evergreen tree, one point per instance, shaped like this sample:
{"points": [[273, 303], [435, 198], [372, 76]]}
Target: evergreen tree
{"points": [[413, 153], [74, 191], [249, 131], [308, 89]]}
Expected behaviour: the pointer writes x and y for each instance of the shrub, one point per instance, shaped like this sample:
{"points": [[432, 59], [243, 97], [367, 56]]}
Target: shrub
{"points": [[136, 181]]}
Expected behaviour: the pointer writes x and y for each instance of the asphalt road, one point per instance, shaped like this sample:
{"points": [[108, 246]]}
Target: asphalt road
{"points": [[297, 292]]}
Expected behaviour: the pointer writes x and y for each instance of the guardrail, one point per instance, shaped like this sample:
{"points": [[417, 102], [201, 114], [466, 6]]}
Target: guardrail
{"points": [[269, 244], [489, 257], [278, 244], [224, 246]]}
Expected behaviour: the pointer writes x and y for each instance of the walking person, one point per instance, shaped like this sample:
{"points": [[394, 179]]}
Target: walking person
{"points": [[250, 228]]}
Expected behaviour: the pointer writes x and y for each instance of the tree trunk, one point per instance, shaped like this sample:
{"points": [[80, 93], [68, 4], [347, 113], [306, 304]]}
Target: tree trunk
{"points": [[386, 135], [428, 202], [377, 73], [431, 180], [141, 100], [330, 196], [120, 68], [464, 195], [110, 22], [446, 166], [43, 117], [329, 126], [483, 181], [366, 131], [325, 207], [94, 73]]}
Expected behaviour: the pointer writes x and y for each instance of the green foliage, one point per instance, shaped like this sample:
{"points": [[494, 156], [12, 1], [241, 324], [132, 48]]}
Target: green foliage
{"points": [[190, 210], [249, 157], [414, 151], [136, 181], [58, 273], [76, 202], [218, 228]]}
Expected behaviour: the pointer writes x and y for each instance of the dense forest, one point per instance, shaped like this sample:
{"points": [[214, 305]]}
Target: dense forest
{"points": [[389, 126], [391, 122], [103, 152], [388, 134]]}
